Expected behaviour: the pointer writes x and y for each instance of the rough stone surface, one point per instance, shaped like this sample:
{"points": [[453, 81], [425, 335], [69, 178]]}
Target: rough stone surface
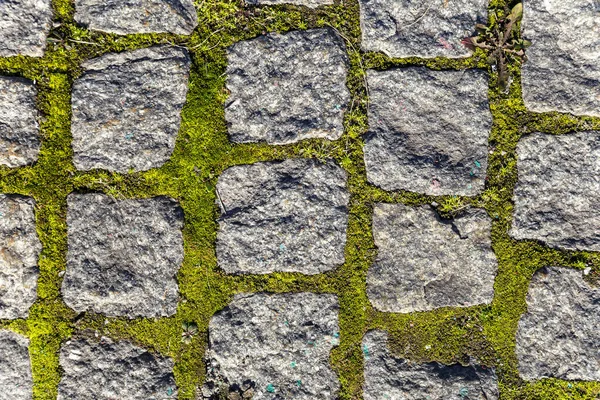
{"points": [[285, 88], [428, 130], [276, 345], [408, 28], [114, 370], [137, 16], [562, 72], [287, 216], [24, 27], [16, 382], [558, 336], [425, 262], [19, 252], [126, 108], [557, 194], [306, 3], [389, 377], [19, 129], [123, 255]]}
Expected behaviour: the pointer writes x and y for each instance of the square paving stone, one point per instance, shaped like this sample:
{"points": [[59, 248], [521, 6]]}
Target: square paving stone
{"points": [[562, 72], [428, 130], [19, 129], [24, 27], [388, 377], [558, 336], [276, 346], [126, 108], [557, 194], [288, 216], [306, 3], [123, 255], [425, 262], [286, 88], [19, 252], [137, 16], [16, 382], [107, 370], [408, 28]]}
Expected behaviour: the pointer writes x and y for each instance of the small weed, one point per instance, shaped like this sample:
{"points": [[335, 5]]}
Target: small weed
{"points": [[190, 330], [502, 41]]}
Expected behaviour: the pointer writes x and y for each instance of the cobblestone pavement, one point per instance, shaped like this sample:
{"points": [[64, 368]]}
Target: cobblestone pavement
{"points": [[311, 199]]}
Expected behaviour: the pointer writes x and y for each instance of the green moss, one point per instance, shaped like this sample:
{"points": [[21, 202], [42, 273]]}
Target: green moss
{"points": [[203, 151]]}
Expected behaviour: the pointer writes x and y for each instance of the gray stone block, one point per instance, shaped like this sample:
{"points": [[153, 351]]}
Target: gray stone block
{"points": [[15, 367], [275, 346], [558, 190], [388, 377], [288, 216], [424, 262], [286, 88], [126, 108], [558, 336], [562, 72], [428, 130], [19, 252], [24, 27], [108, 370], [408, 28], [137, 16], [123, 255], [19, 128], [306, 3]]}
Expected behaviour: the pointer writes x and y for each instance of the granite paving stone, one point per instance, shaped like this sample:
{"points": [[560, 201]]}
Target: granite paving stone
{"points": [[558, 336], [19, 252], [274, 346], [388, 377], [287, 87], [558, 190], [123, 255], [562, 72], [24, 27], [425, 262], [16, 382], [288, 216], [19, 127], [126, 108], [428, 130], [137, 16], [110, 370], [408, 28]]}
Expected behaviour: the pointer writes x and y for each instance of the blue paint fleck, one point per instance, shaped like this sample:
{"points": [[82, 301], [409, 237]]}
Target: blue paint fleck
{"points": [[477, 164], [270, 388], [299, 383], [365, 350], [169, 391], [463, 392], [293, 364], [129, 136]]}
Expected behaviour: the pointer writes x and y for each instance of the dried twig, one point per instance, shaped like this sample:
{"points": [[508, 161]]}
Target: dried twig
{"points": [[207, 38], [362, 67]]}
